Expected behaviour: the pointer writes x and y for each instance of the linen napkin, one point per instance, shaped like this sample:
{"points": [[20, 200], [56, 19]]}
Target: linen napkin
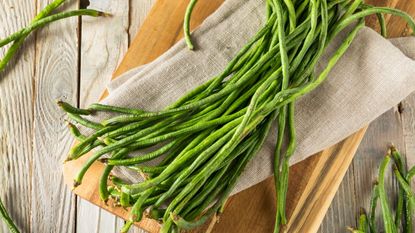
{"points": [[374, 75]]}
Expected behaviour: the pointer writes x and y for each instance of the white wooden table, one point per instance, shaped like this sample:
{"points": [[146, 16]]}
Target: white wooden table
{"points": [[73, 60]]}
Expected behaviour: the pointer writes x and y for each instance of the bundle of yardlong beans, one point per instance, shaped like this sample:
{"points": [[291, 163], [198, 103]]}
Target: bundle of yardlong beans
{"points": [[403, 219], [207, 137]]}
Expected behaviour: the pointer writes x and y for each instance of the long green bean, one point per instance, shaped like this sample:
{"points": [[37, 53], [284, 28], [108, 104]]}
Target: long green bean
{"points": [[405, 186], [401, 193], [373, 203], [42, 22], [19, 36], [386, 213], [6, 218], [19, 42], [186, 24]]}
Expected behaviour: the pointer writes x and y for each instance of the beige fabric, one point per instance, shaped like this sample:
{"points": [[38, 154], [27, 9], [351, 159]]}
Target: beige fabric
{"points": [[373, 76]]}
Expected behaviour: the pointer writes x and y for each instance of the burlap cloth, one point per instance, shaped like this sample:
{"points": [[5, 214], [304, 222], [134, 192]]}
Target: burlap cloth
{"points": [[374, 75]]}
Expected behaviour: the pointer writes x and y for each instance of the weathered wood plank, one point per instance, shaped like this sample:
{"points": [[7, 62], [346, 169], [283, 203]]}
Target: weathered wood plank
{"points": [[341, 210], [56, 77], [102, 49], [138, 13], [408, 124], [92, 219], [16, 117], [103, 45]]}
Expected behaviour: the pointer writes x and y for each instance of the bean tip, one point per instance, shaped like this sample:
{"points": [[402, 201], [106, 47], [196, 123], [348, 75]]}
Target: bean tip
{"points": [[69, 124], [131, 218], [351, 229], [105, 123], [75, 184], [174, 217], [144, 175], [104, 14], [283, 227], [59, 102], [103, 160], [73, 152], [125, 189], [67, 160]]}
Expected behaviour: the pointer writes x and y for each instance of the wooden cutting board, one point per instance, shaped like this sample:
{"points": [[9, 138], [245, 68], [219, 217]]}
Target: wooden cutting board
{"points": [[313, 182]]}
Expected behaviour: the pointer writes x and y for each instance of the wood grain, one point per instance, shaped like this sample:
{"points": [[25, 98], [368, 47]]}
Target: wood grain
{"points": [[407, 112], [56, 77], [16, 118], [138, 12], [102, 48]]}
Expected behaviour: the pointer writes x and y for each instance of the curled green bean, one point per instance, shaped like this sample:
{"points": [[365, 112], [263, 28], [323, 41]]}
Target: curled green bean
{"points": [[19, 42], [19, 36], [186, 24]]}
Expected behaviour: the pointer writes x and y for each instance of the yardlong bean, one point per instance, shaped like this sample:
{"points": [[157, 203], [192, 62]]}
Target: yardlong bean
{"points": [[403, 204], [43, 18], [6, 218], [386, 213]]}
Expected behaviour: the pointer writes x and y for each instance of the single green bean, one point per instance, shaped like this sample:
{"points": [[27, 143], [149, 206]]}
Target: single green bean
{"points": [[6, 218], [142, 158], [401, 193], [186, 24], [103, 185], [373, 203], [386, 213], [363, 222], [46, 20], [116, 109], [71, 109], [405, 186], [85, 122], [19, 42]]}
